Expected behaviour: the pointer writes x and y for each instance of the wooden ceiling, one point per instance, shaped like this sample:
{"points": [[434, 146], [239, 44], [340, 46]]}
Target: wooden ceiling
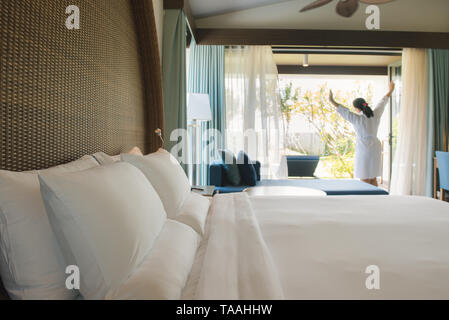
{"points": [[206, 32]]}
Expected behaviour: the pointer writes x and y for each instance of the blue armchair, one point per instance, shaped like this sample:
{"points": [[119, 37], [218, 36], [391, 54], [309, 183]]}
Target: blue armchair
{"points": [[217, 178], [443, 168]]}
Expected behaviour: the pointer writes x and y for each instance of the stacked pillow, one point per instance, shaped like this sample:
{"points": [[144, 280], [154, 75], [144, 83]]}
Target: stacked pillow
{"points": [[103, 158], [106, 220], [163, 274], [167, 177], [240, 171], [31, 262], [110, 221], [171, 183], [230, 167]]}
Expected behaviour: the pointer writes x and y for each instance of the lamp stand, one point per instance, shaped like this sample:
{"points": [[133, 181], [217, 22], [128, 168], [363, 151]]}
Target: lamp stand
{"points": [[198, 110], [195, 171]]}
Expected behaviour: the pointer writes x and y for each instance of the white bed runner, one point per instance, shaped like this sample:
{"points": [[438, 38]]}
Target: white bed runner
{"points": [[237, 263]]}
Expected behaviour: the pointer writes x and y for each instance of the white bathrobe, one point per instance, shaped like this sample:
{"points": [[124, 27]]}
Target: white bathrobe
{"points": [[368, 148]]}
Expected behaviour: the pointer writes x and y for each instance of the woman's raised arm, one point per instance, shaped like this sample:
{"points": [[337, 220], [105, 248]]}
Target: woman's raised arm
{"points": [[332, 100], [380, 108], [343, 111], [392, 86]]}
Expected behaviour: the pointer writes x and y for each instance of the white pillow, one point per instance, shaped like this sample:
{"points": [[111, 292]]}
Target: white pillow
{"points": [[194, 212], [164, 272], [106, 220], [167, 177], [31, 263], [104, 159]]}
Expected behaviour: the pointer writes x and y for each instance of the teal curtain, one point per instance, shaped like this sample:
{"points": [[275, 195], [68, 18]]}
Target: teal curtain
{"points": [[440, 60], [174, 75], [206, 75], [430, 130], [438, 109]]}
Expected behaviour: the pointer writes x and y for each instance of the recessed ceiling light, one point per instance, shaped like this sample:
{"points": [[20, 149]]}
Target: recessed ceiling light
{"points": [[305, 61]]}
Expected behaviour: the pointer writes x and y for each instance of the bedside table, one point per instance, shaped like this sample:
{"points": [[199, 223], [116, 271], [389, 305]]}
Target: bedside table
{"points": [[207, 191]]}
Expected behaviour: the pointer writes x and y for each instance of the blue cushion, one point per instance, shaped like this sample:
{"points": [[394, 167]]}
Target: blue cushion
{"points": [[230, 167], [217, 174], [247, 169], [257, 167]]}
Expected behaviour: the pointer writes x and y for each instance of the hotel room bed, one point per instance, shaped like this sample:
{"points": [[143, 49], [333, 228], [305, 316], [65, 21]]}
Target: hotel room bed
{"points": [[175, 244], [309, 249]]}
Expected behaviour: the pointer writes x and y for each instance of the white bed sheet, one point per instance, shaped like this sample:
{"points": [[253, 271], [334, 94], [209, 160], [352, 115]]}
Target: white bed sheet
{"points": [[322, 247]]}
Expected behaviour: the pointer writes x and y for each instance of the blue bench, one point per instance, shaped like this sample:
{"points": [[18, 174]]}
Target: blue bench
{"points": [[334, 187]]}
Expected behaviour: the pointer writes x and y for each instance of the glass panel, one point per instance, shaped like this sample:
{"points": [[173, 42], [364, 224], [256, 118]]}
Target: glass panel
{"points": [[395, 107], [312, 125], [391, 121]]}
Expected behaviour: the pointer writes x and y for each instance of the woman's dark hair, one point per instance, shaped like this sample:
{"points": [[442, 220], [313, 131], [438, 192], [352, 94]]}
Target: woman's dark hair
{"points": [[361, 104]]}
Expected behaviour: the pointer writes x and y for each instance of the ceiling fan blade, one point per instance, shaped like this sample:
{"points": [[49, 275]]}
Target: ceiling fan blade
{"points": [[316, 4], [376, 1], [347, 8]]}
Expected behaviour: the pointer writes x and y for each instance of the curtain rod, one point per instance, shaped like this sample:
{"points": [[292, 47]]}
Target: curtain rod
{"points": [[338, 50], [333, 50]]}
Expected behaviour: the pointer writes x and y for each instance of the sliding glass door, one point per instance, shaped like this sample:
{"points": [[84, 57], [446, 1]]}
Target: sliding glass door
{"points": [[389, 142]]}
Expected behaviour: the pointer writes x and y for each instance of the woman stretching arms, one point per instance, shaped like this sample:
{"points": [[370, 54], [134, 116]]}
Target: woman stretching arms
{"points": [[368, 149]]}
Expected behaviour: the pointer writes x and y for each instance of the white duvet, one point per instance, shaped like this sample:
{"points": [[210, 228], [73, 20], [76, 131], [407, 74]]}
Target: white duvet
{"points": [[320, 248]]}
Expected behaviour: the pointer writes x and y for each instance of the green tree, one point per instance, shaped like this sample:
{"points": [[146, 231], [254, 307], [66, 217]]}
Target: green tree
{"points": [[289, 98]]}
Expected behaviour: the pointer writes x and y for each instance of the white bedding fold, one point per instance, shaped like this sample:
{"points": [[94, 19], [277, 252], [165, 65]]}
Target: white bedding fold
{"points": [[237, 263]]}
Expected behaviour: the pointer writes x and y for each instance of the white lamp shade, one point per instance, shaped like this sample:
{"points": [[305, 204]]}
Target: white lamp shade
{"points": [[198, 107]]}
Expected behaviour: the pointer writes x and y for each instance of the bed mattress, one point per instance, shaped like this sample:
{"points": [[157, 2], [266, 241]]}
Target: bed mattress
{"points": [[327, 248]]}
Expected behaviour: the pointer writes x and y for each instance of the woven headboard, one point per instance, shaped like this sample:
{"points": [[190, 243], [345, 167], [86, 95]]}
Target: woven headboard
{"points": [[66, 93]]}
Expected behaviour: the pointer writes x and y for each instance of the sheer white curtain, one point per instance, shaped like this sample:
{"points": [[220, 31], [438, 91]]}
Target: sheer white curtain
{"points": [[409, 168], [253, 112]]}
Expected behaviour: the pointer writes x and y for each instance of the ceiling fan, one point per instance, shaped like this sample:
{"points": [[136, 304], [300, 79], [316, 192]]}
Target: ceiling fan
{"points": [[345, 8]]}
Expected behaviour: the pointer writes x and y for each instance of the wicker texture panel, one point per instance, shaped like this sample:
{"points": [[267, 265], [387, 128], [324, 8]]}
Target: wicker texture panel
{"points": [[66, 93], [151, 66]]}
